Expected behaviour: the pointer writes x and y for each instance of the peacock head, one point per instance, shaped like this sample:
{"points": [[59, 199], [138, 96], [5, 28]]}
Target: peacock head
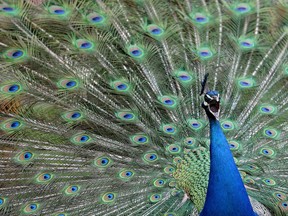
{"points": [[211, 104]]}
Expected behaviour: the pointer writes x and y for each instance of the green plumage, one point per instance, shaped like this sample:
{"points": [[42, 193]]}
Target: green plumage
{"points": [[100, 112]]}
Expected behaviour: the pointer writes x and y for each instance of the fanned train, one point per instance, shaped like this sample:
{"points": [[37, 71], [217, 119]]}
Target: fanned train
{"points": [[143, 107]]}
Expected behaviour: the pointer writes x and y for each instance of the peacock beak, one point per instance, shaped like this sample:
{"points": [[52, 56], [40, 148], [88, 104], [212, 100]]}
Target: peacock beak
{"points": [[212, 103]]}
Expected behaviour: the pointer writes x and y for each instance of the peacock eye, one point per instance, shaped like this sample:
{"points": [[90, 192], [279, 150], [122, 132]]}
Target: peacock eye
{"points": [[177, 160], [25, 156], [195, 124], [269, 181], [108, 197], [159, 183], [135, 52], [84, 44], [103, 162], [2, 201], [127, 116], [68, 84], [57, 10], [96, 18], [150, 157], [169, 129], [139, 139], [81, 139], [169, 169], [44, 178], [155, 198], [71, 189], [31, 208], [126, 175], [174, 149]]}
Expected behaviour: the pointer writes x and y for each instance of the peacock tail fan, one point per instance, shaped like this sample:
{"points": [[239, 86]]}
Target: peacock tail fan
{"points": [[100, 112]]}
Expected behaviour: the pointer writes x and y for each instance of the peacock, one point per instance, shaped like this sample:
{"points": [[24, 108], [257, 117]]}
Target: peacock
{"points": [[143, 107]]}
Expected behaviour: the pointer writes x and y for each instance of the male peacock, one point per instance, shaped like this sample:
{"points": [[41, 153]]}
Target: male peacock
{"points": [[100, 112]]}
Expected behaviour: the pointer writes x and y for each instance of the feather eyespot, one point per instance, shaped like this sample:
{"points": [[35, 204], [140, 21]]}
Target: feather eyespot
{"points": [[120, 86], [269, 181], [155, 30], [150, 157], [284, 205], [103, 162], [126, 174], [30, 208], [12, 125], [9, 9], [169, 170], [15, 54], [71, 189], [177, 160], [57, 10], [135, 52], [68, 84], [267, 109], [246, 44], [127, 116], [242, 8], [234, 146], [168, 101], [249, 180], [195, 124], [155, 198], [3, 201], [268, 152], [169, 129], [201, 18], [84, 44], [184, 77], [81, 139], [25, 156], [108, 197], [251, 168], [189, 141], [246, 83], [227, 125], [11, 89], [44, 178], [205, 53], [14, 88], [279, 195], [96, 18], [159, 183], [174, 149], [272, 133], [139, 139], [72, 116]]}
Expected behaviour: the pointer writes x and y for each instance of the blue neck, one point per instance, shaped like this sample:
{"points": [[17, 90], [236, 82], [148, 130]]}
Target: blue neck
{"points": [[226, 194]]}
